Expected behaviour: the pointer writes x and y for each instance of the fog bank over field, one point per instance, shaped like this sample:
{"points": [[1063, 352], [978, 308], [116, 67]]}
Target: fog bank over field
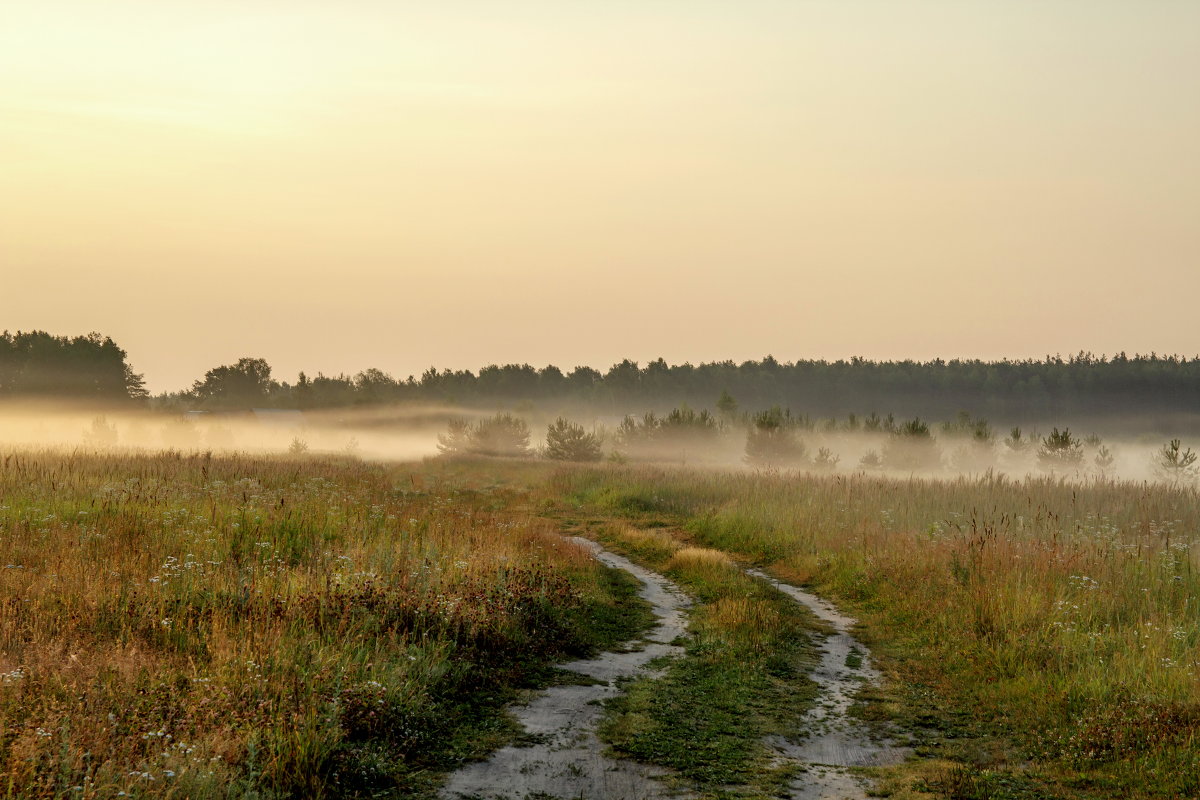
{"points": [[376, 434], [965, 447]]}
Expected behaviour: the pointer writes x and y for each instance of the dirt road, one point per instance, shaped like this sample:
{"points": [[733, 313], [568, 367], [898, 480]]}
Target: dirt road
{"points": [[836, 741], [567, 760]]}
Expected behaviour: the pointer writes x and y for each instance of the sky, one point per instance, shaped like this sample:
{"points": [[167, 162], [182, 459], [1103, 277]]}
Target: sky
{"points": [[337, 186]]}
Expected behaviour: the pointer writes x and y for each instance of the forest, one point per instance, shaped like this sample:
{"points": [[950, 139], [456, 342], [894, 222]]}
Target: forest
{"points": [[1081, 386]]}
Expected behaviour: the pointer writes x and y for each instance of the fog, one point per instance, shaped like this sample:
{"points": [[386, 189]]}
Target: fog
{"points": [[404, 433], [376, 434], [1133, 457]]}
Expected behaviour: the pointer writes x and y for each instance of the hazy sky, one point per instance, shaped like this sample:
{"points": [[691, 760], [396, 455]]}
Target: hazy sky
{"points": [[338, 185]]}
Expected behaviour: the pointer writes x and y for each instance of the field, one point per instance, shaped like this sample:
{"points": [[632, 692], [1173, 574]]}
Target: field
{"points": [[229, 626], [1041, 636], [236, 627]]}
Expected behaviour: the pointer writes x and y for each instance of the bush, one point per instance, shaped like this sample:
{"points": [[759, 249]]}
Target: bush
{"points": [[826, 460], [964, 426], [871, 461], [912, 447], [772, 440], [633, 432], [1060, 450], [653, 435], [501, 435], [689, 423], [568, 441], [1015, 443], [457, 438], [1175, 463]]}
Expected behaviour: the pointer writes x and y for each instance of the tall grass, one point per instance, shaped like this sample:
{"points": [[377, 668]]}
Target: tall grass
{"points": [[211, 627], [1063, 614]]}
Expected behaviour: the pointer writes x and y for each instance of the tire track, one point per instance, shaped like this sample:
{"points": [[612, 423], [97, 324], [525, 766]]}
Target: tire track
{"points": [[836, 742], [568, 760]]}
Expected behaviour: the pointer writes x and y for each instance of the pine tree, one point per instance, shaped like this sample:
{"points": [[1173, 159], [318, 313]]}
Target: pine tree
{"points": [[568, 441]]}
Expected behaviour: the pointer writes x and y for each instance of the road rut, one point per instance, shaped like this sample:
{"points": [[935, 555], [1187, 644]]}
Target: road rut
{"points": [[568, 760], [836, 741]]}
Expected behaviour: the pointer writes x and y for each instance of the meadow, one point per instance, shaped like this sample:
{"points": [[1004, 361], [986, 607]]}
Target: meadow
{"points": [[1041, 636], [200, 626]]}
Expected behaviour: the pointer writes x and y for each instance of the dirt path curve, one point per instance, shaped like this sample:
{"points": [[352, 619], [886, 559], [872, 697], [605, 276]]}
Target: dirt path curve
{"points": [[836, 741], [568, 760]]}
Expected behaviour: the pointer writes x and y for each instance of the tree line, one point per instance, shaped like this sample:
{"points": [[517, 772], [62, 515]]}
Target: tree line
{"points": [[1082, 385], [1079, 386], [91, 367]]}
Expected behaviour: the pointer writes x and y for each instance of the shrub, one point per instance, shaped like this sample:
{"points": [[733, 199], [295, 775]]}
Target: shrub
{"points": [[772, 439], [826, 460], [1015, 442], [634, 433], [686, 421], [967, 427], [501, 435], [457, 438], [1175, 463], [977, 451], [653, 435], [870, 461], [912, 447], [1060, 450], [568, 441]]}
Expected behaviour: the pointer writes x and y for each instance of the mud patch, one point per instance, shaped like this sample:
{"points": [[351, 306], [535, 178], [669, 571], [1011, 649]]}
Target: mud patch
{"points": [[567, 759]]}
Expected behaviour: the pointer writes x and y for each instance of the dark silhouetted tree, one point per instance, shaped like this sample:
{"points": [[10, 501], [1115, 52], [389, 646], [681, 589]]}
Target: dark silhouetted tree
{"points": [[242, 385], [88, 367]]}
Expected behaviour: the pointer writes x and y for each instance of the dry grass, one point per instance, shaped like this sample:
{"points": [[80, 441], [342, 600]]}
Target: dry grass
{"points": [[701, 560], [654, 544], [196, 626]]}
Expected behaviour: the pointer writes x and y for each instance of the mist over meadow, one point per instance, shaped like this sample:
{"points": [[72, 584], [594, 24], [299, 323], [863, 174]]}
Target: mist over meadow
{"points": [[1082, 417]]}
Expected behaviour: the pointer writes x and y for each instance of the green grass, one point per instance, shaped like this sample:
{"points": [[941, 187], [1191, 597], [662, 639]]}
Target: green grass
{"points": [[743, 675], [1040, 636]]}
